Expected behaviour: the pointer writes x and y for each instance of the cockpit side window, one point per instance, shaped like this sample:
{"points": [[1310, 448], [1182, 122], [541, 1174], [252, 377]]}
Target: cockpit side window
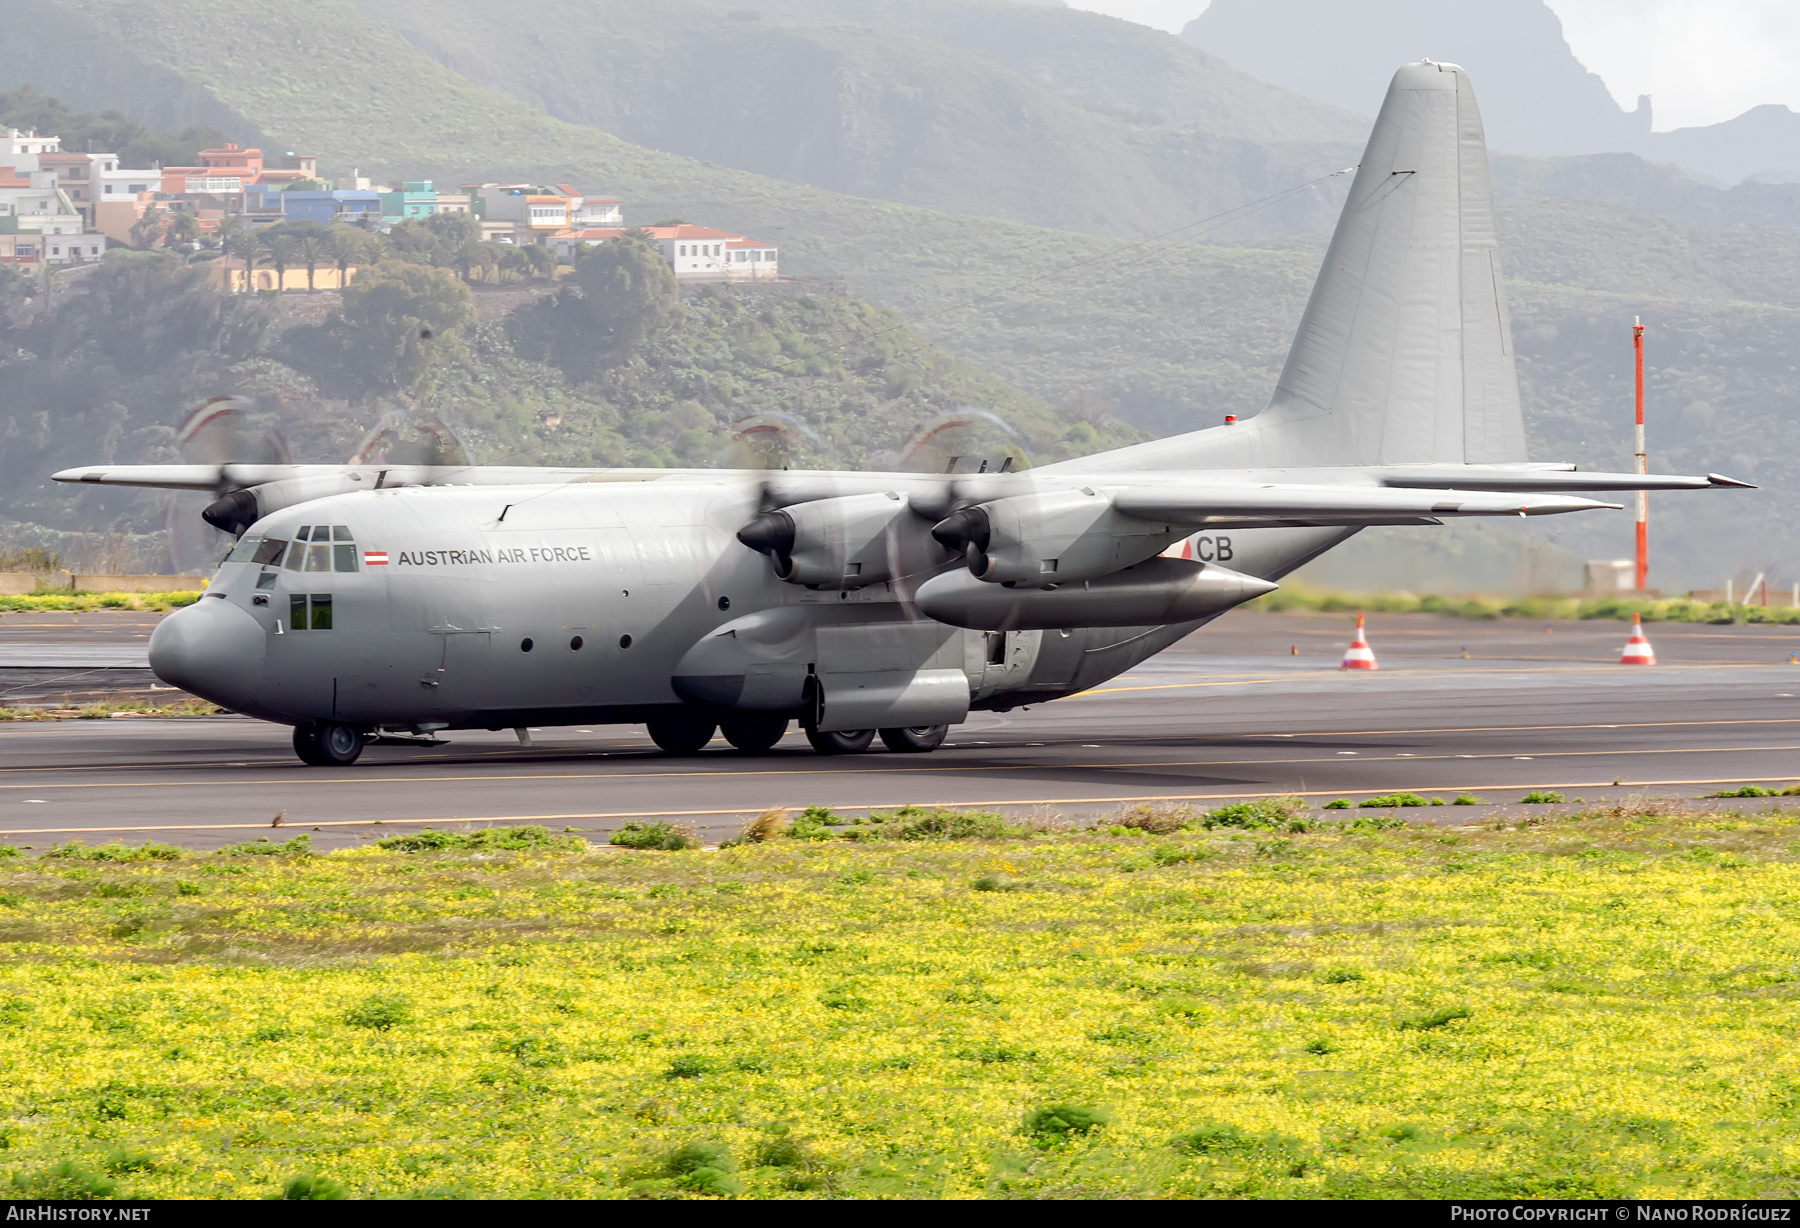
{"points": [[316, 547]]}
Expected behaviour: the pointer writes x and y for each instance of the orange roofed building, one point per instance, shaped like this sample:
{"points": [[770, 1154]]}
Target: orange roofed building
{"points": [[695, 253], [230, 169]]}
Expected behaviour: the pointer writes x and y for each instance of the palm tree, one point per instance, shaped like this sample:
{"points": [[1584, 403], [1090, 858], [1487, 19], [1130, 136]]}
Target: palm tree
{"points": [[283, 251], [309, 243], [249, 244], [234, 230], [347, 246]]}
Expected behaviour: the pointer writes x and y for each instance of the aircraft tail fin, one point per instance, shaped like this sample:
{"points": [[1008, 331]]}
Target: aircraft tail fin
{"points": [[1405, 352]]}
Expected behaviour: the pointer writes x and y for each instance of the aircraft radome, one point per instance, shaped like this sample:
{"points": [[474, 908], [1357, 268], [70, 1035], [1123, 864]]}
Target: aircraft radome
{"points": [[362, 599]]}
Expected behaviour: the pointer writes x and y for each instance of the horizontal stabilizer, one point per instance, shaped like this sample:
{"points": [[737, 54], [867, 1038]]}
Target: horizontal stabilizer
{"points": [[1500, 478], [1226, 506]]}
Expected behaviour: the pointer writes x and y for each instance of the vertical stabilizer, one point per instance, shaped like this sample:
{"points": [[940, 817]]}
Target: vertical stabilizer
{"points": [[1405, 351]]}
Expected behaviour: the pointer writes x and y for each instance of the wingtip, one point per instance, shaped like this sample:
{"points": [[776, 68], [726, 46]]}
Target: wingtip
{"points": [[1719, 479], [69, 475]]}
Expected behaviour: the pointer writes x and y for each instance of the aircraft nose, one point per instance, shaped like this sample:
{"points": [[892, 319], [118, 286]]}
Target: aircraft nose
{"points": [[212, 649]]}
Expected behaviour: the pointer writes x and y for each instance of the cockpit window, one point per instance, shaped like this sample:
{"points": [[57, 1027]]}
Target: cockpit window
{"points": [[244, 549], [268, 551], [313, 549]]}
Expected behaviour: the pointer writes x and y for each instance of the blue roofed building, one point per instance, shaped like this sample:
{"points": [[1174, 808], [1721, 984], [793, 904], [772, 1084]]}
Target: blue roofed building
{"points": [[347, 205]]}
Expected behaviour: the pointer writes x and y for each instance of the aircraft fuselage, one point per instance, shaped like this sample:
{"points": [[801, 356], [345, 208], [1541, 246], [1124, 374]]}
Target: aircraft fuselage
{"points": [[428, 608]]}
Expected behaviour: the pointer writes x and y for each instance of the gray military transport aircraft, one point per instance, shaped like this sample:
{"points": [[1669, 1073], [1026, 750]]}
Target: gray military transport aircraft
{"points": [[366, 600]]}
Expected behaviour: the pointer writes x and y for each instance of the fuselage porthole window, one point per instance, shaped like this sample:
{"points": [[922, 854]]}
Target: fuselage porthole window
{"points": [[575, 644], [525, 644]]}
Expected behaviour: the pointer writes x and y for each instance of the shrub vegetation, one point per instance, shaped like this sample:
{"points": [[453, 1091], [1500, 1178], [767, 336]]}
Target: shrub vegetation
{"points": [[1584, 1007]]}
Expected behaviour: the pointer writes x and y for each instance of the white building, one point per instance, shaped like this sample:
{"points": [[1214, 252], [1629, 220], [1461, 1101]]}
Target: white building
{"points": [[540, 212], [20, 150], [121, 183], [695, 253], [79, 175]]}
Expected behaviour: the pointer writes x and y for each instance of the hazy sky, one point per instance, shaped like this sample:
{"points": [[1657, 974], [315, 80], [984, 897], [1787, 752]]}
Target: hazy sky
{"points": [[1701, 60]]}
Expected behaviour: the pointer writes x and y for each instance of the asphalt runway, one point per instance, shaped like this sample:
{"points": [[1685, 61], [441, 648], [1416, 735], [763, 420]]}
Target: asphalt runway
{"points": [[1232, 712]]}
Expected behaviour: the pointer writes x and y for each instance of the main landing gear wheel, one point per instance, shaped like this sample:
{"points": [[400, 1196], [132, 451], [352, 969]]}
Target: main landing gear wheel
{"points": [[841, 741], [681, 733], [328, 744], [755, 733], [915, 739]]}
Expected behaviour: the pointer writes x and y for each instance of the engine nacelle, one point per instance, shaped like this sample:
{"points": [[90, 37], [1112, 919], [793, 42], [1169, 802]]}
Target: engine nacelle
{"points": [[1042, 540], [1149, 594], [235, 512], [847, 542]]}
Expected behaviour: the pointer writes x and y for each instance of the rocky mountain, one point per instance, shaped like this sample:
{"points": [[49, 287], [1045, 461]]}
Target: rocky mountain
{"points": [[1536, 97]]}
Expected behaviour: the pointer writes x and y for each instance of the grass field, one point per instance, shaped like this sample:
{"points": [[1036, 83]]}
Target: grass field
{"points": [[1593, 1006], [1671, 610], [89, 602]]}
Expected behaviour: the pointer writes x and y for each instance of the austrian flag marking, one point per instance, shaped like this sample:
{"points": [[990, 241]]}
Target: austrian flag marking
{"points": [[374, 558]]}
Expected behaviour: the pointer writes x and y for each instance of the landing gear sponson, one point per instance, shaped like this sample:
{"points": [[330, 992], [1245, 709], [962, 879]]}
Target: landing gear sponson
{"points": [[329, 744]]}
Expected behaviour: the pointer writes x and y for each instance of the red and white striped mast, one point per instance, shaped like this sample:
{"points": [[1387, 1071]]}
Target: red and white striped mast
{"points": [[1643, 462]]}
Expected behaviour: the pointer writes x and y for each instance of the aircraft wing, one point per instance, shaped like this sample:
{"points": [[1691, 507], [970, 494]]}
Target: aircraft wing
{"points": [[1281, 505], [238, 476]]}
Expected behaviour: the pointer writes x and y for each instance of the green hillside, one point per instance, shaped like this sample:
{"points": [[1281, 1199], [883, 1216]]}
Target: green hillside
{"points": [[107, 369], [1109, 66], [1167, 335], [849, 109]]}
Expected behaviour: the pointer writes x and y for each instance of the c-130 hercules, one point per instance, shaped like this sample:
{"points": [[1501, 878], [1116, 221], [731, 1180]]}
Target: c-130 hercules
{"points": [[362, 599]]}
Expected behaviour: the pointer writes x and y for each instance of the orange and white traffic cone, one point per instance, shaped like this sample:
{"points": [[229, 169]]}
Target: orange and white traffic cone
{"points": [[1360, 655], [1637, 648]]}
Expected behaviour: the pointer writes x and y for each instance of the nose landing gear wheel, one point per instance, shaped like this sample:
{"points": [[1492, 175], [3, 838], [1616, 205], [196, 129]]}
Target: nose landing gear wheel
{"points": [[914, 739], [840, 742], [680, 733], [328, 744], [753, 734]]}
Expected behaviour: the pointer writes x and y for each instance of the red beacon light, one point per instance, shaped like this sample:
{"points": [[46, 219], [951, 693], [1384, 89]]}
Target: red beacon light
{"points": [[1230, 418]]}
